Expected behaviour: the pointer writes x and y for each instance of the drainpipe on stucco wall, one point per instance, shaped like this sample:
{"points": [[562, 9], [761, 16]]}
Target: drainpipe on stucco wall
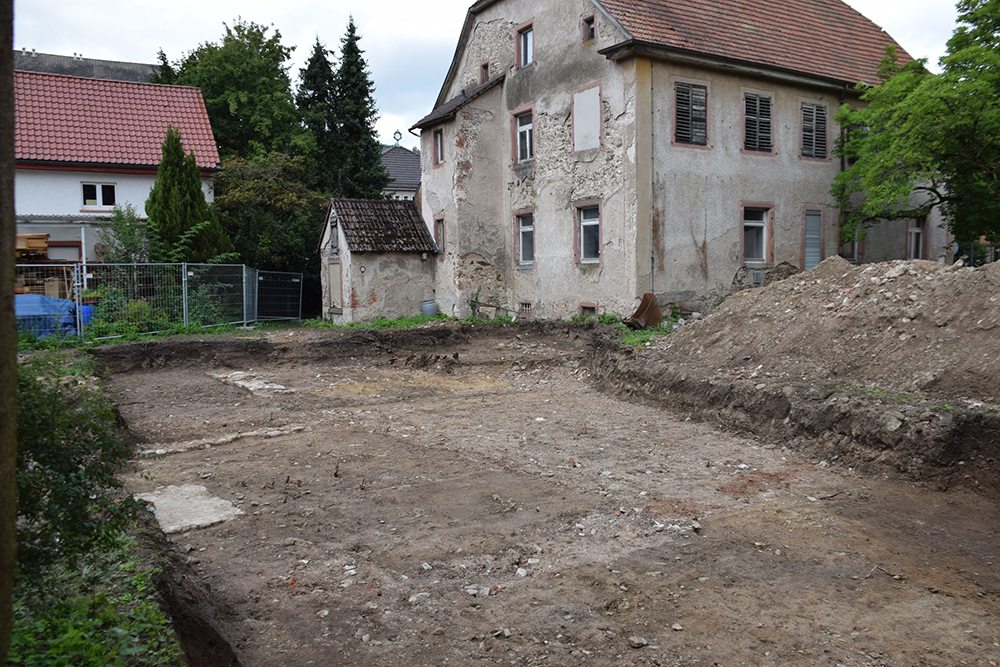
{"points": [[652, 177]]}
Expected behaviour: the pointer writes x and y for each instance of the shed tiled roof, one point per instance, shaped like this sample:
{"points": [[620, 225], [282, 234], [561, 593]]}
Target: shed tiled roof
{"points": [[375, 225], [115, 70], [403, 167], [451, 107], [823, 38], [93, 121]]}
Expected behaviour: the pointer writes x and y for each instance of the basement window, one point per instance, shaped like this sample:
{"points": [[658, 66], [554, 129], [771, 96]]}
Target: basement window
{"points": [[99, 194], [524, 309]]}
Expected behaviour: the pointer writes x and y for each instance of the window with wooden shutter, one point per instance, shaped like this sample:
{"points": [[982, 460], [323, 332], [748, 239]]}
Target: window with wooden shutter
{"points": [[813, 130], [691, 114], [757, 123], [813, 240]]}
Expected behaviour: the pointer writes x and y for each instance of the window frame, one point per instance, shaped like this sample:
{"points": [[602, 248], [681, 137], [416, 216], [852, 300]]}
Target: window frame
{"points": [[440, 235], [437, 147], [768, 231], [515, 135], [916, 227], [803, 104], [578, 237], [744, 93], [600, 117], [806, 210], [484, 71], [675, 107], [99, 192], [588, 28], [519, 261], [524, 308], [522, 49]]}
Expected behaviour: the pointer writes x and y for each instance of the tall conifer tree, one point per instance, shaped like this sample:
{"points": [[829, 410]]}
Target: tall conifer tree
{"points": [[182, 226], [315, 101], [358, 151]]}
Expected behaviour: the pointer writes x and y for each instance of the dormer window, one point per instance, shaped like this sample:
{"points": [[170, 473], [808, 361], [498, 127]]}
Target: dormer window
{"points": [[99, 195]]}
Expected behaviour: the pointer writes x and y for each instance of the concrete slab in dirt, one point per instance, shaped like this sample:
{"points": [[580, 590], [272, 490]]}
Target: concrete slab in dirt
{"points": [[252, 383], [181, 508]]}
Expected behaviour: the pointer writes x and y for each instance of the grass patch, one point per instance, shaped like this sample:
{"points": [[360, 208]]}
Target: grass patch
{"points": [[874, 392], [398, 323]]}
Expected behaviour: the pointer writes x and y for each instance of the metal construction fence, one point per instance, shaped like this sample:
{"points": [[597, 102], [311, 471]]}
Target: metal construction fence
{"points": [[106, 300]]}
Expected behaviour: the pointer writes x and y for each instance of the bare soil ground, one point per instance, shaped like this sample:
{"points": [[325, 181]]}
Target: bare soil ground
{"points": [[532, 495]]}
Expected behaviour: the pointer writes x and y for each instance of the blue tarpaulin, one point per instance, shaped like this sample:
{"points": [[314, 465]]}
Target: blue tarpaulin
{"points": [[44, 316]]}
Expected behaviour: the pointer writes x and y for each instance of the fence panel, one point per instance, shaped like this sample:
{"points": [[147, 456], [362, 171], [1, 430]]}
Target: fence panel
{"points": [[105, 300], [279, 295]]}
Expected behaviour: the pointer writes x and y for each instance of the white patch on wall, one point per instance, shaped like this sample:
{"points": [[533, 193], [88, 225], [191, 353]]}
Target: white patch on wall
{"points": [[587, 119]]}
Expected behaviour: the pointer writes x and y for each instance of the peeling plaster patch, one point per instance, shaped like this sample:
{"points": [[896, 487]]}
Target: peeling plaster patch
{"points": [[181, 508], [252, 383], [492, 41], [474, 272]]}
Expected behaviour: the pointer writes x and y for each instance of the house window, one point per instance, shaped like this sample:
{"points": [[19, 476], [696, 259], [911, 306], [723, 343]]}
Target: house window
{"points": [[99, 194], [813, 248], [813, 130], [524, 309], [526, 238], [484, 72], [691, 114], [525, 137], [915, 239], [587, 29], [588, 311], [439, 233], [587, 129], [526, 46], [590, 233], [438, 151], [757, 123], [754, 234]]}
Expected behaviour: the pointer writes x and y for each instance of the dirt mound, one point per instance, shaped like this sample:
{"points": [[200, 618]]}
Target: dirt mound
{"points": [[906, 327]]}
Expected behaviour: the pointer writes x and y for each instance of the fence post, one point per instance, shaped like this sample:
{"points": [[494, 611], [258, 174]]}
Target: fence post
{"points": [[184, 291], [78, 282], [245, 300], [300, 297]]}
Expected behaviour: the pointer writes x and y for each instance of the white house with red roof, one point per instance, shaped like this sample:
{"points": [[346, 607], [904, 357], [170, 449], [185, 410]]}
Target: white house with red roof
{"points": [[83, 145], [583, 153]]}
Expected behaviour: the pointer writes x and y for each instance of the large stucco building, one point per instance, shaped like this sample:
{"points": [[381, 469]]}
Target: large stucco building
{"points": [[583, 152]]}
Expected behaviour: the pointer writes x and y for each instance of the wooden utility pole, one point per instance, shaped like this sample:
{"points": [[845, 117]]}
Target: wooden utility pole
{"points": [[8, 330]]}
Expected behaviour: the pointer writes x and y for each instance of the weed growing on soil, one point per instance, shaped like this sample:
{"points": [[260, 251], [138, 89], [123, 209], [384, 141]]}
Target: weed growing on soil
{"points": [[125, 334], [874, 392], [398, 323], [103, 611], [643, 337]]}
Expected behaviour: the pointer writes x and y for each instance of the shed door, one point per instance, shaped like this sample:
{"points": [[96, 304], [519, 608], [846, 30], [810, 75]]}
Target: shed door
{"points": [[336, 286]]}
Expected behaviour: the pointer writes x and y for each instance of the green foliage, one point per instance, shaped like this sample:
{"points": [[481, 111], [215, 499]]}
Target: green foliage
{"points": [[609, 318], [126, 237], [247, 90], [398, 323], [316, 103], [358, 152], [69, 453], [182, 227], [927, 140], [102, 612], [643, 337]]}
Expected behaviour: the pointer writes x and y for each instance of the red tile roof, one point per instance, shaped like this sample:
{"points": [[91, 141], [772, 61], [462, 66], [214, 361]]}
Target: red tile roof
{"points": [[824, 38], [71, 119]]}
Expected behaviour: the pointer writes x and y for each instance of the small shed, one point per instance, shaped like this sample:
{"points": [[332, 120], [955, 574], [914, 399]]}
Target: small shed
{"points": [[376, 260]]}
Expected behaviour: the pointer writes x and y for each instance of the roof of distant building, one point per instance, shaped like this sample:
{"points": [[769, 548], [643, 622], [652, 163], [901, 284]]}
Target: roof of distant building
{"points": [[403, 167], [64, 119], [77, 65], [376, 225]]}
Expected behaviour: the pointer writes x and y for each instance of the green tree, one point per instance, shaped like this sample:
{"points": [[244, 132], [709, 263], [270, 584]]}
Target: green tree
{"points": [[273, 218], [182, 226], [247, 91], [359, 165], [125, 236], [316, 104], [930, 140]]}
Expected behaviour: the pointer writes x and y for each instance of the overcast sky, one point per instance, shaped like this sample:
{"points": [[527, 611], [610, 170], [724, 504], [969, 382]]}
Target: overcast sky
{"points": [[408, 44]]}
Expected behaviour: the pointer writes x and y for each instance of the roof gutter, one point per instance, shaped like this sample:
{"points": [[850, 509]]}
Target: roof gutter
{"points": [[95, 166], [634, 47]]}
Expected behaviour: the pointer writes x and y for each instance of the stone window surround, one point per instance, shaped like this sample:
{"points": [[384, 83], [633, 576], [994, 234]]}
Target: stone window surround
{"points": [[743, 122], [527, 26], [440, 237], [600, 107], [484, 71], [588, 21], [520, 111], [768, 234], [518, 264], [802, 102], [437, 147], [577, 206], [674, 80]]}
